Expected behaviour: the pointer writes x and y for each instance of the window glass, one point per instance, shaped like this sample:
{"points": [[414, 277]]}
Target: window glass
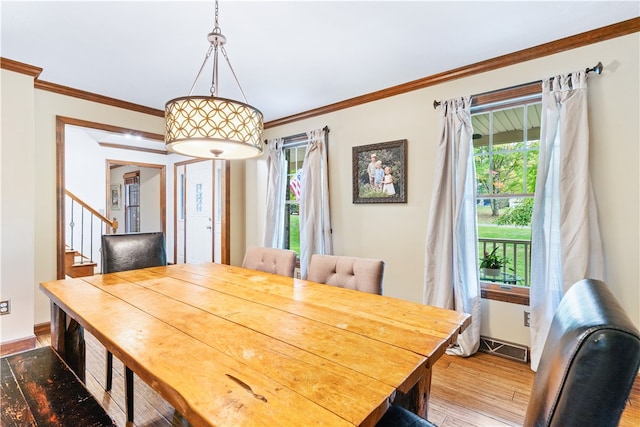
{"points": [[294, 154], [506, 143], [132, 202]]}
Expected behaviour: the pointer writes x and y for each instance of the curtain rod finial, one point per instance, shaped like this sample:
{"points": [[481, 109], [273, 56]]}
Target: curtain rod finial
{"points": [[597, 69], [436, 104]]}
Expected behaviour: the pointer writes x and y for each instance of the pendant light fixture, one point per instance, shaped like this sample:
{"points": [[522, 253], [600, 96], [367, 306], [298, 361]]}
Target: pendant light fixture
{"points": [[209, 126]]}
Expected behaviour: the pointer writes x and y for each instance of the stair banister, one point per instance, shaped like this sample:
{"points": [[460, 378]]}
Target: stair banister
{"points": [[78, 261], [111, 223]]}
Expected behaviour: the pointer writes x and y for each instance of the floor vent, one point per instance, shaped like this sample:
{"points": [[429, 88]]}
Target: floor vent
{"points": [[504, 349]]}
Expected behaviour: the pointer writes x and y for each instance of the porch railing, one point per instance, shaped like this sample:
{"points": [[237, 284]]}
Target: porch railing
{"points": [[85, 226], [517, 253]]}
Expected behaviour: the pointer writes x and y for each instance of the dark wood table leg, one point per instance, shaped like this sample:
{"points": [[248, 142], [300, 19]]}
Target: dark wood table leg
{"points": [[58, 327], [416, 400], [128, 392], [67, 338]]}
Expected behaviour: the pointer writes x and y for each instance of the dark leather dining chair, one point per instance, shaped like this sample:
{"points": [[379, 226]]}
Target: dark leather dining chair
{"points": [[360, 274], [132, 251], [587, 368], [270, 260]]}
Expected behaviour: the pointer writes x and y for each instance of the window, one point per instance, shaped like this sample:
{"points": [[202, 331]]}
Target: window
{"points": [[506, 144], [294, 151], [132, 202]]}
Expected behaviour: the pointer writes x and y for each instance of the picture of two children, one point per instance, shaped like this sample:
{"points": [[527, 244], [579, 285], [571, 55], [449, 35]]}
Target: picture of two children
{"points": [[379, 173], [381, 179]]}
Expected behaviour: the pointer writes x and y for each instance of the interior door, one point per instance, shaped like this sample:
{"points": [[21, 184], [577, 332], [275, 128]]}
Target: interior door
{"points": [[180, 213], [199, 212]]}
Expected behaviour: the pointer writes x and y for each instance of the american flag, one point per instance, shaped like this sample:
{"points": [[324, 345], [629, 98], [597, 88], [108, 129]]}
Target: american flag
{"points": [[294, 184]]}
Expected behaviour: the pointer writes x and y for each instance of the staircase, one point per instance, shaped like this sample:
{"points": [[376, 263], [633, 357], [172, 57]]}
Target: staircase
{"points": [[83, 236], [76, 265]]}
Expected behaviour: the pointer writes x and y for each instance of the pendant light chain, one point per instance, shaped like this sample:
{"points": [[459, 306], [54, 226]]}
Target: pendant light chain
{"points": [[216, 18], [215, 43], [212, 127]]}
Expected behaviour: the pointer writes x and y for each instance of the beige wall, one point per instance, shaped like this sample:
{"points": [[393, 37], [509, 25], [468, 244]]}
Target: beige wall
{"points": [[28, 239], [17, 208], [48, 106], [237, 211], [357, 230], [28, 250], [29, 133]]}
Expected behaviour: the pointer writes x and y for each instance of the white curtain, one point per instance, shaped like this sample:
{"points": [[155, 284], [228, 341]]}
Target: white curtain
{"points": [[451, 262], [565, 241], [276, 192], [315, 222]]}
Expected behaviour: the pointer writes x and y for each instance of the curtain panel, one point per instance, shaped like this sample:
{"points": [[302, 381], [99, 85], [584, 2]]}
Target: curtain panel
{"points": [[565, 240], [315, 220], [451, 260], [276, 193]]}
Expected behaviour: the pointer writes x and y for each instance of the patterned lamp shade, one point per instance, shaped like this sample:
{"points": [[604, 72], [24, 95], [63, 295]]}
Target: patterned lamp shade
{"points": [[214, 128]]}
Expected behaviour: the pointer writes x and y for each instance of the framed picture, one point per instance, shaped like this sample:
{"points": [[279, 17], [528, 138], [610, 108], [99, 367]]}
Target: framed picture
{"points": [[115, 197], [380, 172]]}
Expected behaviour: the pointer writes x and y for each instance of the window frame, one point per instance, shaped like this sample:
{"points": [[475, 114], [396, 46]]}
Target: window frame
{"points": [[509, 97]]}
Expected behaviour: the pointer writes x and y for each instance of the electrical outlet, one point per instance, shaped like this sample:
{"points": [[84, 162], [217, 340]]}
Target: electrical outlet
{"points": [[5, 307], [527, 318]]}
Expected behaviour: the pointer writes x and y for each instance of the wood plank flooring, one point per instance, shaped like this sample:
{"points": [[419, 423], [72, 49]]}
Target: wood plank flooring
{"points": [[480, 391]]}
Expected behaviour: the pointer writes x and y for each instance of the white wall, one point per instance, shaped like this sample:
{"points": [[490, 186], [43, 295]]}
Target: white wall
{"points": [[150, 191], [614, 161], [17, 212]]}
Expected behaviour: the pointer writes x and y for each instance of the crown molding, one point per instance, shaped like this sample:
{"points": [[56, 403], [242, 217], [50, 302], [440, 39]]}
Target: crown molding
{"points": [[94, 97], [30, 70], [20, 67], [583, 39]]}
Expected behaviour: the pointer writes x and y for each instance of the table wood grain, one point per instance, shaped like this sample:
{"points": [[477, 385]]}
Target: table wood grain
{"points": [[228, 346]]}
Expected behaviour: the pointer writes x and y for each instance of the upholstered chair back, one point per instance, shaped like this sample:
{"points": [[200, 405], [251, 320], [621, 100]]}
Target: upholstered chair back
{"points": [[589, 361], [122, 252], [587, 368], [360, 274], [270, 260]]}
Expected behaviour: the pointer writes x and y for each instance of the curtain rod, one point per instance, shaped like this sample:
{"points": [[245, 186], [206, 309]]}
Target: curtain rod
{"points": [[596, 69], [301, 136]]}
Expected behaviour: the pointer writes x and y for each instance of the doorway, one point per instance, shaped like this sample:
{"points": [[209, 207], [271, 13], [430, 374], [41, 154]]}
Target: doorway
{"points": [[200, 211], [142, 191], [63, 124]]}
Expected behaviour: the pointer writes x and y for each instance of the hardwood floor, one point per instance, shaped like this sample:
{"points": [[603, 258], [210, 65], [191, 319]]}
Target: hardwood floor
{"points": [[483, 390]]}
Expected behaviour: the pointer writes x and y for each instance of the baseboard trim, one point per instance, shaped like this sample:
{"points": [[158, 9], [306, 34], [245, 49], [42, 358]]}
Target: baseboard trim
{"points": [[18, 345], [27, 343], [42, 328]]}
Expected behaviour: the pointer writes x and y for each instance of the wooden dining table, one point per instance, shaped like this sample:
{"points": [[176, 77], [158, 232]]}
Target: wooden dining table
{"points": [[229, 346]]}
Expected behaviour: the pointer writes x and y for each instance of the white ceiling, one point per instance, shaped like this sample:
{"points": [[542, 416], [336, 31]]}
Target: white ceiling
{"points": [[289, 56]]}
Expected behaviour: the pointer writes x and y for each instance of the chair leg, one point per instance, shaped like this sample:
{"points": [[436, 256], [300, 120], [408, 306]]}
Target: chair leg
{"points": [[128, 392], [109, 371]]}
